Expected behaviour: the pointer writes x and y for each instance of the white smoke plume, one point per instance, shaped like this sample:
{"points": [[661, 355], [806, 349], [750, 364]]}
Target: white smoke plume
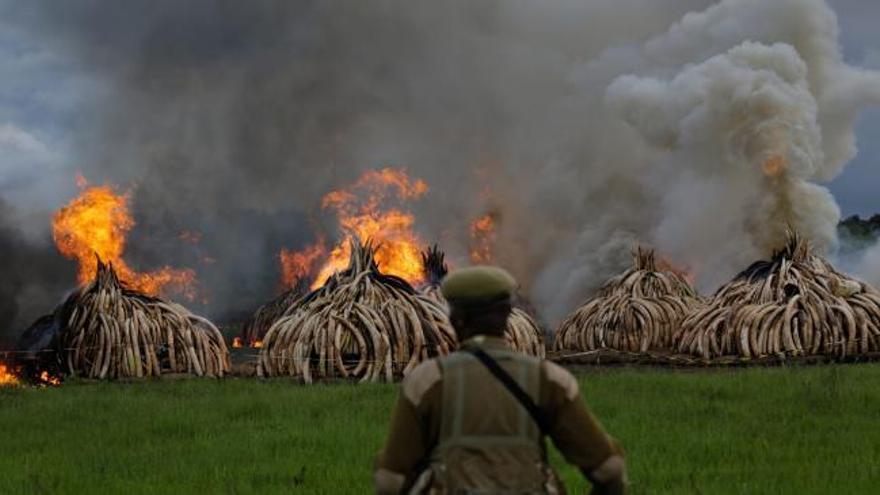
{"points": [[745, 109], [738, 137], [702, 128], [868, 265]]}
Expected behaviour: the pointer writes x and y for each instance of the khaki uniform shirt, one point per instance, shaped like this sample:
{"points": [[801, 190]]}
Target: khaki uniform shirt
{"points": [[490, 409]]}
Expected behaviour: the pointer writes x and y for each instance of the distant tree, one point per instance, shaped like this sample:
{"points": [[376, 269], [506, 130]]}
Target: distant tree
{"points": [[856, 233]]}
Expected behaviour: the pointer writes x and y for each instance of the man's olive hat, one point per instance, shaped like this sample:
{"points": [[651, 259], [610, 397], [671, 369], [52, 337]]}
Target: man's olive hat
{"points": [[478, 286]]}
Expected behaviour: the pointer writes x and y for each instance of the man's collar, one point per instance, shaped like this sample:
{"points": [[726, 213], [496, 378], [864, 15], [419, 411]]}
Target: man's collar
{"points": [[490, 342]]}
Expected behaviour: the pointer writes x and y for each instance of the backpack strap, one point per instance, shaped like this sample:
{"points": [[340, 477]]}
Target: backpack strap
{"points": [[513, 387]]}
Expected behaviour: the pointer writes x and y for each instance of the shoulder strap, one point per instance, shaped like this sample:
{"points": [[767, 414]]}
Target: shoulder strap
{"points": [[510, 384]]}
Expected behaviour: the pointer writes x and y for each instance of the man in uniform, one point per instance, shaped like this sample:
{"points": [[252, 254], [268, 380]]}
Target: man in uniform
{"points": [[475, 420]]}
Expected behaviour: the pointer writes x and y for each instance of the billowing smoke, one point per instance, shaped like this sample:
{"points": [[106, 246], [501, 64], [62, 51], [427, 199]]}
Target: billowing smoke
{"points": [[743, 110], [702, 129], [868, 265], [33, 276], [738, 142]]}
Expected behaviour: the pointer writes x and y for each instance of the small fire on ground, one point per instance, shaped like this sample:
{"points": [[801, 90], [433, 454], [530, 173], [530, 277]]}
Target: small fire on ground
{"points": [[7, 377], [10, 377], [238, 343], [47, 379]]}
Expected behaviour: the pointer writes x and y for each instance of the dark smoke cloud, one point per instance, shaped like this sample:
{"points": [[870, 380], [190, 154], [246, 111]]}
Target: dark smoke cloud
{"points": [[233, 118], [32, 274]]}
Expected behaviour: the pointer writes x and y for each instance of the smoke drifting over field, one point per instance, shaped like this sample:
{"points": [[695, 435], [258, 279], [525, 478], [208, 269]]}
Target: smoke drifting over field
{"points": [[701, 129]]}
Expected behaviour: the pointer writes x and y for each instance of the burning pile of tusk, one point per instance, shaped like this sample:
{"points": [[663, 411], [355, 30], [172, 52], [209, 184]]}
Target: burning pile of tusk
{"points": [[522, 334], [109, 331], [636, 311], [794, 304], [265, 316], [361, 324]]}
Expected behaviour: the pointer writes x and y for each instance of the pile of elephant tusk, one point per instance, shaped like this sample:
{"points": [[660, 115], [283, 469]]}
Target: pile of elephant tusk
{"points": [[522, 334], [361, 324], [794, 304], [258, 325], [636, 311], [109, 331]]}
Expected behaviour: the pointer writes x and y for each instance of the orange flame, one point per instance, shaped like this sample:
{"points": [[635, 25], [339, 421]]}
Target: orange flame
{"points": [[482, 232], [362, 213], [237, 343], [48, 380], [687, 272], [96, 223], [774, 166], [297, 265], [7, 377]]}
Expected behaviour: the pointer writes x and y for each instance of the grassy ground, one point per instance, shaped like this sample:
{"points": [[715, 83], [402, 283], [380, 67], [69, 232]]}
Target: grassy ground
{"points": [[801, 430]]}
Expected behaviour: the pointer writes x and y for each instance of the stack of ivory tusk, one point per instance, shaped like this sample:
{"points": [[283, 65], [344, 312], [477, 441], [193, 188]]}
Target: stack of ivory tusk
{"points": [[256, 327], [523, 333], [636, 311], [794, 304], [361, 324], [109, 331]]}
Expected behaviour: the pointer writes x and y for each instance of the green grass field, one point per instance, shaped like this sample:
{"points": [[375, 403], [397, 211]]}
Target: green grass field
{"points": [[794, 430]]}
